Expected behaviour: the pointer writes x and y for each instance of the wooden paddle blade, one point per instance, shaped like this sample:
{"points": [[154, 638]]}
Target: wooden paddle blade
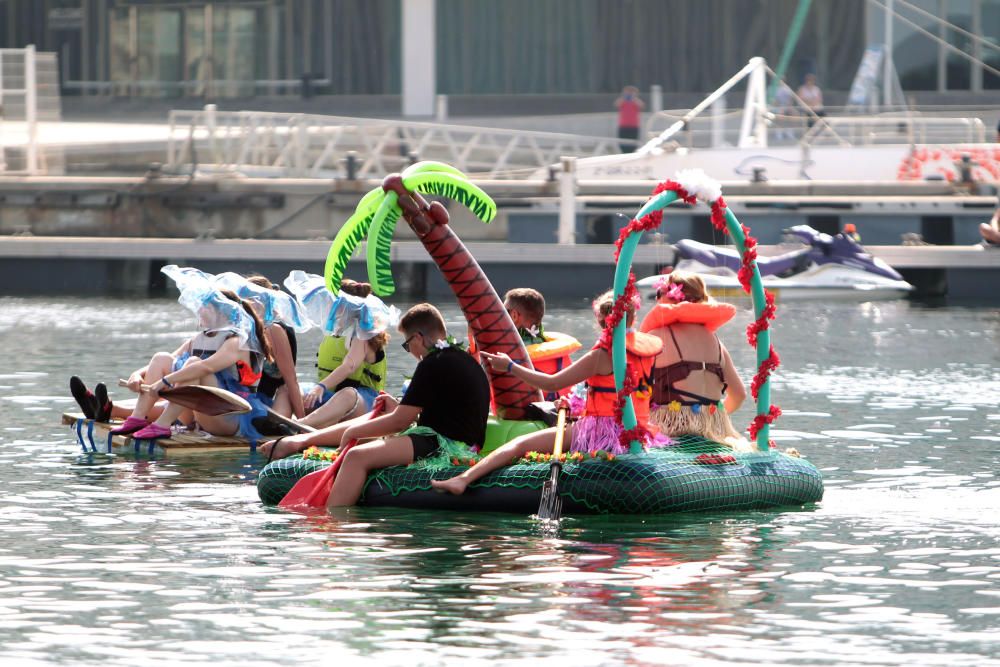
{"points": [[550, 506], [295, 426], [207, 400]]}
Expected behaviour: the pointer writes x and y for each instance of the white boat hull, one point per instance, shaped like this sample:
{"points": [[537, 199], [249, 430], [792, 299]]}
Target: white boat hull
{"points": [[825, 282]]}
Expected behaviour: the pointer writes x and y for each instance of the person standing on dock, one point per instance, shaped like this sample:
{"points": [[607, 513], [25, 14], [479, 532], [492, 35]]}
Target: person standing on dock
{"points": [[629, 106], [811, 94]]}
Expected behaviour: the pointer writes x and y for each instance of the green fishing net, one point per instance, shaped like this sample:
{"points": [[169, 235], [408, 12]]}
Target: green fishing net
{"points": [[694, 474]]}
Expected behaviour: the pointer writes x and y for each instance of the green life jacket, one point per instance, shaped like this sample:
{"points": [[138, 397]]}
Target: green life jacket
{"points": [[332, 352]]}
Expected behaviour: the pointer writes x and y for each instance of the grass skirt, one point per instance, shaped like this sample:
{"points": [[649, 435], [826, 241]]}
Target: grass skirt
{"points": [[710, 425], [591, 434]]}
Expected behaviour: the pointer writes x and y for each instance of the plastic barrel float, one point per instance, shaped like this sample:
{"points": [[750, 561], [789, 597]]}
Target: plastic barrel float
{"points": [[691, 474]]}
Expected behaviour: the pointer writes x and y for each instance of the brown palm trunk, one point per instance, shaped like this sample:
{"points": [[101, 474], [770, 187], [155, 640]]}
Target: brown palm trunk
{"points": [[488, 319]]}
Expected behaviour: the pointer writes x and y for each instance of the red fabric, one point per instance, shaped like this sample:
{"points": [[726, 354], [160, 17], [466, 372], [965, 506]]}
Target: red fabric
{"points": [[628, 114]]}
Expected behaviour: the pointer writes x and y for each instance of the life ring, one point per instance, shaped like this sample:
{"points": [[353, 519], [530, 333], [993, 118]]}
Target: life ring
{"points": [[711, 314], [556, 345]]}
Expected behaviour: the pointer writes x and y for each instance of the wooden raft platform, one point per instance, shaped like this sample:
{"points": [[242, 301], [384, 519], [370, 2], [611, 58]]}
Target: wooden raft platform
{"points": [[93, 437]]}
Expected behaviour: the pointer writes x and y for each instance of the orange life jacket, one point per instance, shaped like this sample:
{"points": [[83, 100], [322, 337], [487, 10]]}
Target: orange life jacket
{"points": [[710, 314], [640, 351]]}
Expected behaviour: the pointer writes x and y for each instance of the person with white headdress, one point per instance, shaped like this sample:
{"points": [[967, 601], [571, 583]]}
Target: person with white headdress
{"points": [[229, 352], [283, 318], [351, 361]]}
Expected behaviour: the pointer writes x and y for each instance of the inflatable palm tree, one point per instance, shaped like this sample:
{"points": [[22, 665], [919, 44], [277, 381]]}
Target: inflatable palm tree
{"points": [[375, 219]]}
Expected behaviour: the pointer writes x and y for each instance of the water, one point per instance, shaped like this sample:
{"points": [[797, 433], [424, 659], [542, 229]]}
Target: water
{"points": [[119, 561]]}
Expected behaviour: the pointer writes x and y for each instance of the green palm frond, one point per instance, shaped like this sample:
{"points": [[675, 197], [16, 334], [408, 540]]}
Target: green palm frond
{"points": [[379, 247], [349, 237], [431, 165], [445, 184]]}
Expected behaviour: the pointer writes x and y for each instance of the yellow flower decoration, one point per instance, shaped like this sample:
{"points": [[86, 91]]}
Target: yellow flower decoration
{"points": [[674, 406]]}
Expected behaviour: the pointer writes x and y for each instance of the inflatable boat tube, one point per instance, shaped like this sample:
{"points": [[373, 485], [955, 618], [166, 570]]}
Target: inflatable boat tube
{"points": [[694, 475]]}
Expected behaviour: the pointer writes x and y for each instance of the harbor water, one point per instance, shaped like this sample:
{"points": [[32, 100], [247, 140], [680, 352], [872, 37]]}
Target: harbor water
{"points": [[122, 560]]}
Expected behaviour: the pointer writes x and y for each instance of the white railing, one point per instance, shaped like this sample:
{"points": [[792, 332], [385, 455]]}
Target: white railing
{"points": [[316, 146], [755, 125], [896, 128]]}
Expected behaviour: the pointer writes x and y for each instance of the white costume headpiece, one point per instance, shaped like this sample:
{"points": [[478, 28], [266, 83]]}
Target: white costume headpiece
{"points": [[214, 310], [342, 315]]}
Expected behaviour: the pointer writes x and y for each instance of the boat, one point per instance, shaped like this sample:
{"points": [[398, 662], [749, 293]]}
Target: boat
{"points": [[895, 146], [823, 267], [692, 474]]}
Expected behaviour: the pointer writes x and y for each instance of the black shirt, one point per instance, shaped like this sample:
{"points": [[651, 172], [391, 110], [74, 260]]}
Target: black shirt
{"points": [[454, 394]]}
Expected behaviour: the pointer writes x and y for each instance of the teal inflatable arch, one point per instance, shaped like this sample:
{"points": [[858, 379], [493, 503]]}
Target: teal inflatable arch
{"points": [[623, 270]]}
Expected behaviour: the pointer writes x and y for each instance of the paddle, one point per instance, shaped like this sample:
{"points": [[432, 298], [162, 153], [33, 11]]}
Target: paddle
{"points": [[313, 490], [551, 504], [200, 398], [298, 427]]}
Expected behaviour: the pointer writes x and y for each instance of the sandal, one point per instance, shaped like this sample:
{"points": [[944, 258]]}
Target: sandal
{"points": [[152, 432], [274, 446], [130, 426]]}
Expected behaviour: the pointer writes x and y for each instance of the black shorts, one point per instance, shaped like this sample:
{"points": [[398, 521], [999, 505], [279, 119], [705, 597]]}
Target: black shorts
{"points": [[423, 446]]}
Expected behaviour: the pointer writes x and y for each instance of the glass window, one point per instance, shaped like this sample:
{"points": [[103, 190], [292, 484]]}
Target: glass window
{"points": [[238, 57], [915, 54], [990, 22], [958, 69], [121, 59], [160, 68]]}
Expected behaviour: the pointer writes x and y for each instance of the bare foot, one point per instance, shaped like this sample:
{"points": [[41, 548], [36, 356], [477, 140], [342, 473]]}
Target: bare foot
{"points": [[454, 485], [279, 449]]}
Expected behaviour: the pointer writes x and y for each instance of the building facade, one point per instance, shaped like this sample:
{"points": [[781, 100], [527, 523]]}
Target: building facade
{"points": [[246, 48]]}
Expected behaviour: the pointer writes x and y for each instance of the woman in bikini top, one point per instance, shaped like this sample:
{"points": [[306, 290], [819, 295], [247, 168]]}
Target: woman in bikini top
{"points": [[692, 396], [665, 377]]}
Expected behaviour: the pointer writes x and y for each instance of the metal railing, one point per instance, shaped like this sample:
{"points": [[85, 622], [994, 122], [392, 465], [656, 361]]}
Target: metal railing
{"points": [[318, 146], [709, 123], [723, 128], [895, 128]]}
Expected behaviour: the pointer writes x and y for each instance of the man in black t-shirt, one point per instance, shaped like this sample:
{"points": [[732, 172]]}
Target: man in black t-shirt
{"points": [[448, 399]]}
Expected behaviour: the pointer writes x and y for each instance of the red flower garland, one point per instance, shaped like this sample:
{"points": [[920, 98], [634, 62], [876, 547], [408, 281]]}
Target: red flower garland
{"points": [[759, 421], [761, 322], [645, 223], [764, 371], [745, 275], [719, 215]]}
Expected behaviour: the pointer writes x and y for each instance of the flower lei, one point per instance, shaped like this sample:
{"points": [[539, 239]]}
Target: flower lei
{"points": [[444, 344], [532, 335], [572, 457]]}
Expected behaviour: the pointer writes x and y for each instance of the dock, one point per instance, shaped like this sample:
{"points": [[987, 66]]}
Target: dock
{"points": [[83, 265]]}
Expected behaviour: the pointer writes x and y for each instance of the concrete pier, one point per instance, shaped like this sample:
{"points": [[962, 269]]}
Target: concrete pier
{"points": [[96, 266]]}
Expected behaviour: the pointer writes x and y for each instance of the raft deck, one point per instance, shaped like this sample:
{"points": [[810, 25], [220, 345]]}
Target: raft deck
{"points": [[95, 436]]}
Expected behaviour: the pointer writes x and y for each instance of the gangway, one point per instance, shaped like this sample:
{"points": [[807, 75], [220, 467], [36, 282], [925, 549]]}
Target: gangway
{"points": [[308, 145]]}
